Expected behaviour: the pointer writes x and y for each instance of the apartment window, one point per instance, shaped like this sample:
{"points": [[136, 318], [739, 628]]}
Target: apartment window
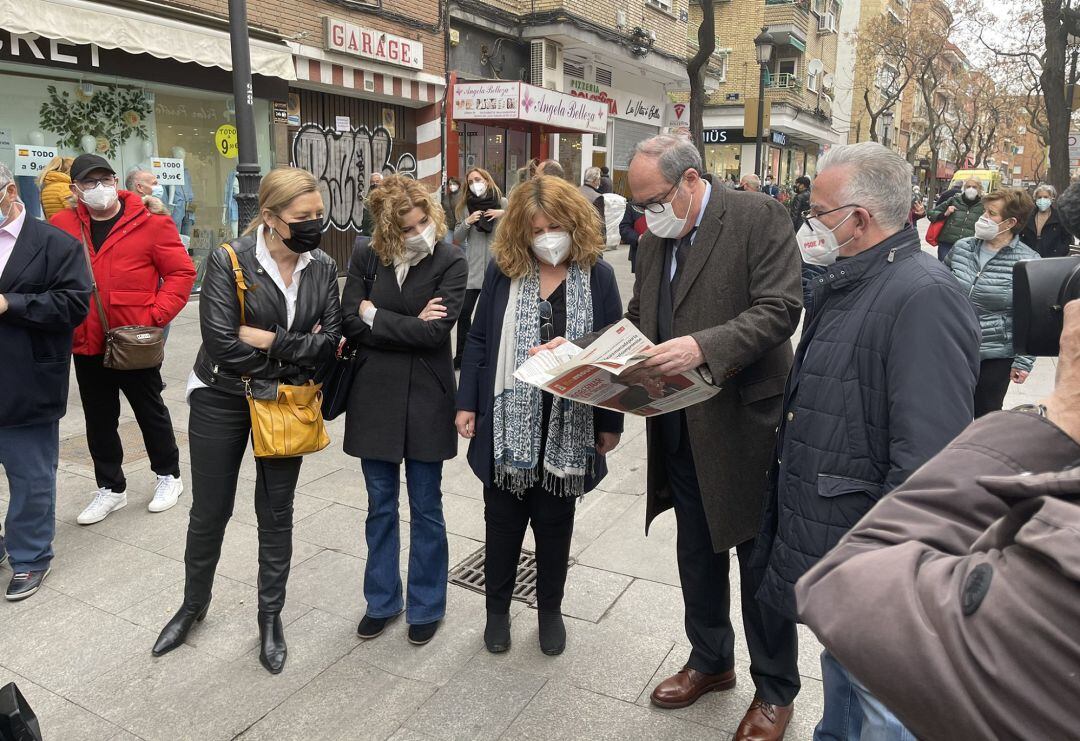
{"points": [[820, 6], [664, 5], [721, 61], [1017, 170], [1018, 150], [812, 81]]}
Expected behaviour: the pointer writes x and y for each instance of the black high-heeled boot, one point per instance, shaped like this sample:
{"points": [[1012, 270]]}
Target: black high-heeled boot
{"points": [[272, 648], [175, 631]]}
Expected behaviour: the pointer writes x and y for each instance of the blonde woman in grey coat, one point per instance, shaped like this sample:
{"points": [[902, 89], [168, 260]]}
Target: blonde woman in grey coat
{"points": [[478, 210]]}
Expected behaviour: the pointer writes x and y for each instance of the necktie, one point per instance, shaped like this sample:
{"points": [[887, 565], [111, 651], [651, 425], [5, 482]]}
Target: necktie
{"points": [[682, 249]]}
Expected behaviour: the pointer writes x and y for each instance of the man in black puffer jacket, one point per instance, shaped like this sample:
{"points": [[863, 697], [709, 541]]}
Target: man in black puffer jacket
{"points": [[883, 378]]}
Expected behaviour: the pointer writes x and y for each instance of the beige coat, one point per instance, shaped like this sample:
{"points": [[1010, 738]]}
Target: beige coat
{"points": [[956, 600], [740, 298]]}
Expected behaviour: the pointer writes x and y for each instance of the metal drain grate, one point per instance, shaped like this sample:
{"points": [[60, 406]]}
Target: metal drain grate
{"points": [[470, 574]]}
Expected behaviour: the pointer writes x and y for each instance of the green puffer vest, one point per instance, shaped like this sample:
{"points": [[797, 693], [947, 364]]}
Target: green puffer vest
{"points": [[962, 222], [990, 291]]}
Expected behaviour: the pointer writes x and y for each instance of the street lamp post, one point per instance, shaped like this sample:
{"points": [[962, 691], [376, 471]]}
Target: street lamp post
{"points": [[764, 45], [886, 123], [247, 167]]}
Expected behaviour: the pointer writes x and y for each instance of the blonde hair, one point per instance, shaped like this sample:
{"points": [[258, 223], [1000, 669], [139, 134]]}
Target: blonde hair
{"points": [[395, 197], [463, 194], [561, 203], [57, 163], [280, 187]]}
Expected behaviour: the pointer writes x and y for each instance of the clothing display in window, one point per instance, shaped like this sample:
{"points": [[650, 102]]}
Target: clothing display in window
{"points": [[180, 200], [29, 194], [231, 213]]}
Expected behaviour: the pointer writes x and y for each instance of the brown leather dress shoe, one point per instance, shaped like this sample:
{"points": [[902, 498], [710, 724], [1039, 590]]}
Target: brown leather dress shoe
{"points": [[764, 722], [688, 685]]}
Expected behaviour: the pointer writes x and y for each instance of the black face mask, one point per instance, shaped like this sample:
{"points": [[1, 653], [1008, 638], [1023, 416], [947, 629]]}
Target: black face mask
{"points": [[306, 235]]}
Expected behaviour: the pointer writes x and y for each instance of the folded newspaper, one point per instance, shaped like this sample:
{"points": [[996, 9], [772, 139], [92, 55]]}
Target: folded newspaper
{"points": [[602, 375]]}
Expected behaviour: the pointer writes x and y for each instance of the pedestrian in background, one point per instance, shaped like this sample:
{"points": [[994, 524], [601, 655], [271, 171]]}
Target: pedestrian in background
{"points": [[1045, 232], [859, 413], [404, 293], [606, 186], [551, 167], [143, 276], [983, 265], [960, 214], [535, 455], [366, 222], [631, 228], [290, 327], [770, 189], [801, 201], [449, 198], [479, 211], [750, 183], [55, 184], [44, 295]]}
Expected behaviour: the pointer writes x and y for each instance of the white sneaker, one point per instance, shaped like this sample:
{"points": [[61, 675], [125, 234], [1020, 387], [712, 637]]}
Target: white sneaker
{"points": [[105, 502], [166, 493]]}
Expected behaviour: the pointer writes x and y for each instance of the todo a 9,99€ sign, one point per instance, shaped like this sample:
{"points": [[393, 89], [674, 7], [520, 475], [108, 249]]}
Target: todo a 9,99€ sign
{"points": [[225, 141]]}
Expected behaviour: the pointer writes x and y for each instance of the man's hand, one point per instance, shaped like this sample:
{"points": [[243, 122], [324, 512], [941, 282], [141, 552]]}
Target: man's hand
{"points": [[547, 345], [466, 424], [606, 442], [949, 211], [257, 338], [673, 357], [433, 310], [1018, 376], [1063, 406], [3, 304]]}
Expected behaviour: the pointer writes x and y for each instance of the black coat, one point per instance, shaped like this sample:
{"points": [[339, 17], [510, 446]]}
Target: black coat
{"points": [[47, 288], [477, 392], [297, 355], [629, 234], [1055, 239], [402, 400], [884, 377]]}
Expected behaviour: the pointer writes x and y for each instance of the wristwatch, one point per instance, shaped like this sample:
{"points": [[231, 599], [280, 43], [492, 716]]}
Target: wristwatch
{"points": [[1037, 409]]}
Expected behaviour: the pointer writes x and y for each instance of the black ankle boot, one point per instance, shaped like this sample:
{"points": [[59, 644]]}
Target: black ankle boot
{"points": [[273, 650], [552, 633], [175, 631], [497, 632]]}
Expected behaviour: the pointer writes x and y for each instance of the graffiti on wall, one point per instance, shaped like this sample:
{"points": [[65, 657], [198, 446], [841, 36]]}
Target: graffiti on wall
{"points": [[343, 162]]}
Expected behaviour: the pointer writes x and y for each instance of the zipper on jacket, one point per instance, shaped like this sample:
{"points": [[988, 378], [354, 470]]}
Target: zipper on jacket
{"points": [[892, 254]]}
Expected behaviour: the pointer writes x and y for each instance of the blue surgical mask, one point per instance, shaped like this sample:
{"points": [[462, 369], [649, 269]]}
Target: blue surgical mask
{"points": [[1043, 203], [158, 191]]}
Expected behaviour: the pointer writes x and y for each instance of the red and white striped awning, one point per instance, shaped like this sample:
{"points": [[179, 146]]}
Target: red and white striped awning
{"points": [[408, 92]]}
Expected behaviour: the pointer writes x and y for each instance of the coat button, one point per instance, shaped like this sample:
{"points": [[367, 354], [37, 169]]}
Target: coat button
{"points": [[790, 416]]}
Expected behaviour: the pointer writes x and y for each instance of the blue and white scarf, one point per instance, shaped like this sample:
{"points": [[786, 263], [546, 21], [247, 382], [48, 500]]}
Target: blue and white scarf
{"points": [[518, 406]]}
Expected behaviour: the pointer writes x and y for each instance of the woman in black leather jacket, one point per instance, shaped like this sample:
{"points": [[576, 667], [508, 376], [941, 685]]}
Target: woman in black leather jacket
{"points": [[293, 324]]}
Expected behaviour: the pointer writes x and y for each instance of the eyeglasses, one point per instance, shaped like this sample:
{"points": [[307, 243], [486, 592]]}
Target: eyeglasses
{"points": [[547, 328], [656, 207], [811, 214], [91, 183]]}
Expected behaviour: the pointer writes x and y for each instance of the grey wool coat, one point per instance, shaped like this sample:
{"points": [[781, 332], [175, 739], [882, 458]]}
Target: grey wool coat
{"points": [[740, 298]]}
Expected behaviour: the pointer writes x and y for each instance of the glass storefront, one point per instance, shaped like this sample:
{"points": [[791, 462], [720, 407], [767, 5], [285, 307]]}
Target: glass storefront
{"points": [[502, 152], [723, 160], [130, 123], [569, 156]]}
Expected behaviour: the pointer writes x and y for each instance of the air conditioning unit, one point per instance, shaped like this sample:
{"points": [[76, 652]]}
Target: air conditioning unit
{"points": [[827, 23], [546, 64]]}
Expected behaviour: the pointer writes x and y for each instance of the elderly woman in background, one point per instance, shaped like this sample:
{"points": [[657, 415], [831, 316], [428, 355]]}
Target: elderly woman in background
{"points": [[960, 214], [1045, 232]]}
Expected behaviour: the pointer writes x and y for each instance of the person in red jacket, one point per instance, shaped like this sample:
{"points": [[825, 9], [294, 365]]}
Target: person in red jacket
{"points": [[144, 276]]}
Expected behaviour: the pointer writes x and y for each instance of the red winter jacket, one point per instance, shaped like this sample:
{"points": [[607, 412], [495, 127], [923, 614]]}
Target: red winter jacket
{"points": [[143, 272]]}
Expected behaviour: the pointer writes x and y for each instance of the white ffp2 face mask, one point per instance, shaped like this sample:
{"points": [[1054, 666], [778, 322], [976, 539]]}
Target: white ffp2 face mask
{"points": [[551, 247], [666, 224], [100, 198], [422, 243], [987, 229], [817, 242], [479, 188], [971, 193]]}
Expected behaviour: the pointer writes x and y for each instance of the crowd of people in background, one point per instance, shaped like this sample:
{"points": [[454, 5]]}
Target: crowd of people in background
{"points": [[854, 425]]}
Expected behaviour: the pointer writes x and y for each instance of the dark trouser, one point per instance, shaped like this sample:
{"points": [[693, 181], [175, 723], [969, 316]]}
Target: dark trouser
{"points": [[99, 388], [943, 249], [29, 455], [992, 386], [218, 431], [703, 573], [464, 322], [506, 518]]}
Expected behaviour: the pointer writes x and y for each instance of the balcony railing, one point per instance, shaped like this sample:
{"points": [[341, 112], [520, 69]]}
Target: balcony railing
{"points": [[783, 81]]}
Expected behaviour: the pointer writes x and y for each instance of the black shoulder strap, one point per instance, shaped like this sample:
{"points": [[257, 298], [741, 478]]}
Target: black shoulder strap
{"points": [[372, 266]]}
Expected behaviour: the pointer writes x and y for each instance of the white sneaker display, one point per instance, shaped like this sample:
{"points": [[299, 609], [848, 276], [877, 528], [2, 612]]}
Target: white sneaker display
{"points": [[105, 502], [166, 493]]}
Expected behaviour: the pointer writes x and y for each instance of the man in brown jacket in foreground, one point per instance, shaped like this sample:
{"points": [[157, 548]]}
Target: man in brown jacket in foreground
{"points": [[956, 600]]}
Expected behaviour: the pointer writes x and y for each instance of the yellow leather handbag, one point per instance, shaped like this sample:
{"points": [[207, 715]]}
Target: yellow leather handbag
{"points": [[290, 424]]}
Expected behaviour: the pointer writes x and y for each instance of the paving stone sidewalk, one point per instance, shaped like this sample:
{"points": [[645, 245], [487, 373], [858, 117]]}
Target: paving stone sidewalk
{"points": [[80, 649]]}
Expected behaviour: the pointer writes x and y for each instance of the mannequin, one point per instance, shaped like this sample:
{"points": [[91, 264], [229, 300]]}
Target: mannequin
{"points": [[29, 193], [88, 144], [180, 199]]}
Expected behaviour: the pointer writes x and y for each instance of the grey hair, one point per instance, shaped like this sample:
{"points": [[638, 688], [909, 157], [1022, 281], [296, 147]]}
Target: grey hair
{"points": [[878, 179], [752, 179], [674, 155], [1045, 188], [6, 178], [129, 181], [592, 175]]}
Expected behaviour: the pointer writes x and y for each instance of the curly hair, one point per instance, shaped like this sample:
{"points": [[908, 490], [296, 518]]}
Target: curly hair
{"points": [[562, 204], [462, 207], [395, 197]]}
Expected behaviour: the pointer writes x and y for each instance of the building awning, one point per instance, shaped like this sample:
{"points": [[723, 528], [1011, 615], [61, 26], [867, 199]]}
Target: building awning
{"points": [[518, 104], [82, 22]]}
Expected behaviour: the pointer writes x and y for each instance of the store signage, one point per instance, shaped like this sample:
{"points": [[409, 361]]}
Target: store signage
{"points": [[31, 159], [369, 43], [281, 111], [620, 104], [342, 123], [677, 115], [30, 47], [225, 141], [168, 170], [725, 136], [479, 101], [731, 97], [779, 137]]}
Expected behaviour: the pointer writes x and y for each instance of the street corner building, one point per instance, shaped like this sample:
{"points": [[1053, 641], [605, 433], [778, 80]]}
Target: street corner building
{"points": [[341, 92]]}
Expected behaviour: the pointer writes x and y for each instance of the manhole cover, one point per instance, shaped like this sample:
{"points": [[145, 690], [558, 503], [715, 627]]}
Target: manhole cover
{"points": [[470, 574], [75, 450]]}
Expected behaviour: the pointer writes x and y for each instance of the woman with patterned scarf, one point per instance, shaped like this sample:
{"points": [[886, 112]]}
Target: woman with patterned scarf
{"points": [[535, 454]]}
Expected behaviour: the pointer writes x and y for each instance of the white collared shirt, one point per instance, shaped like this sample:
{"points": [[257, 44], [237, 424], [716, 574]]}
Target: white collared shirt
{"points": [[9, 235], [266, 260]]}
